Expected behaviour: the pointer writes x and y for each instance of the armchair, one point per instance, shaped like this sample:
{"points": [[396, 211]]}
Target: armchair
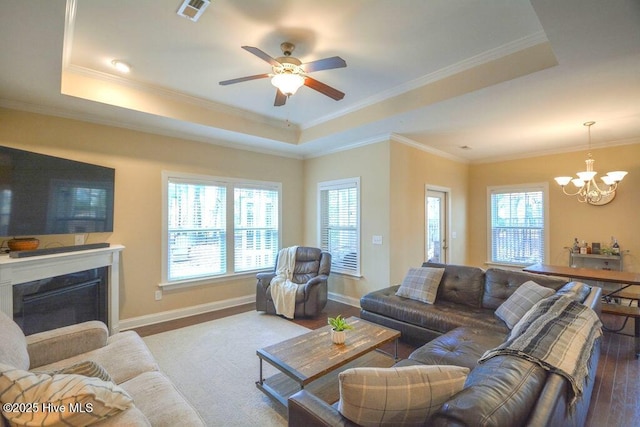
{"points": [[311, 271]]}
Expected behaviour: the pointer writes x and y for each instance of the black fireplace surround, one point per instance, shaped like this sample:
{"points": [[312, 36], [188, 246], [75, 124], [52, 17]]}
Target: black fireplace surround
{"points": [[59, 301]]}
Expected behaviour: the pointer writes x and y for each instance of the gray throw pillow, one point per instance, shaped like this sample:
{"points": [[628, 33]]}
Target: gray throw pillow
{"points": [[421, 284], [521, 301]]}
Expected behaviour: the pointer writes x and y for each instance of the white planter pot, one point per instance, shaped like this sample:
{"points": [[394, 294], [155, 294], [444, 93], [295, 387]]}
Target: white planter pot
{"points": [[338, 337]]}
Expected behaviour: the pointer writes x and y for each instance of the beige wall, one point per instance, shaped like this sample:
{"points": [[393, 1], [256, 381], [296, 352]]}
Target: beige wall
{"points": [[371, 164], [139, 158], [412, 171], [393, 181], [568, 218]]}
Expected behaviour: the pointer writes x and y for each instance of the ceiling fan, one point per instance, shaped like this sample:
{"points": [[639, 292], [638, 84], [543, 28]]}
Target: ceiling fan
{"points": [[289, 73]]}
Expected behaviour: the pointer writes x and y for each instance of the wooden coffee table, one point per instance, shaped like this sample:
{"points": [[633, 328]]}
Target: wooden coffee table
{"points": [[313, 360]]}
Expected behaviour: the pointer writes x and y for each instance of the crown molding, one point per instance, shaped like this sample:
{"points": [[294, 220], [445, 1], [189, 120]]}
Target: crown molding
{"points": [[542, 153], [469, 63], [154, 130], [410, 142]]}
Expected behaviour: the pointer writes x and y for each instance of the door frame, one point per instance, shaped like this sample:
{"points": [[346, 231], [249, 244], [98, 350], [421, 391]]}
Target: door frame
{"points": [[444, 223]]}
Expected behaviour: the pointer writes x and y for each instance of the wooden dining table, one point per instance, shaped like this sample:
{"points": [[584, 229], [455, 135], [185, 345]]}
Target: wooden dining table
{"points": [[624, 279]]}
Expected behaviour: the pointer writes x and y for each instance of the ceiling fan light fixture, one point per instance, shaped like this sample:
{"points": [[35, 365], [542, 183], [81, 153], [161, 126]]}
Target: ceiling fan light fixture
{"points": [[287, 83]]}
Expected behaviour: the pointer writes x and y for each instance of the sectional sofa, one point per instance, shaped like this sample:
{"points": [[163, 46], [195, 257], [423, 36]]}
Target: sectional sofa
{"points": [[457, 329]]}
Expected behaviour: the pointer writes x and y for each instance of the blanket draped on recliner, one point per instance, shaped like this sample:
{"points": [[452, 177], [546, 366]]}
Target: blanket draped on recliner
{"points": [[283, 290], [558, 334]]}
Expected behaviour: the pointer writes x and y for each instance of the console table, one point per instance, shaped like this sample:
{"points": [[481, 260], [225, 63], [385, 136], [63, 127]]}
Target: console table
{"points": [[624, 278], [14, 271]]}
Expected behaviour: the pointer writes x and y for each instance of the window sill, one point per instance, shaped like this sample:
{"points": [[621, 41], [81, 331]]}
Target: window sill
{"points": [[506, 265], [347, 275], [210, 280]]}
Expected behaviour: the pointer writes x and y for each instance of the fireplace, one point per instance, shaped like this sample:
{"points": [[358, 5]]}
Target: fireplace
{"points": [[50, 303], [50, 288]]}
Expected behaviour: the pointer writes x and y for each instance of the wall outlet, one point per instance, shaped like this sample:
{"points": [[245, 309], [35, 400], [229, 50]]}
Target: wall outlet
{"points": [[79, 239], [377, 240], [158, 294]]}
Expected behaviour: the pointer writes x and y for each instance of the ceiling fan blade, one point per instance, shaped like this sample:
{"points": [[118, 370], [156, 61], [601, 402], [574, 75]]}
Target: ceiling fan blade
{"points": [[323, 88], [262, 55], [280, 100], [243, 79], [324, 64]]}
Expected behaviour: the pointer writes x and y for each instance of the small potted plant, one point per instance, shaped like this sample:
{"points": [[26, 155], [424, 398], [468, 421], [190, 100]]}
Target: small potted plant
{"points": [[338, 327]]}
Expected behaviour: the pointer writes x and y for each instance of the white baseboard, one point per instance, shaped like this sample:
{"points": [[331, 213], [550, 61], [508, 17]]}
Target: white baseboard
{"points": [[355, 302], [150, 319], [165, 316]]}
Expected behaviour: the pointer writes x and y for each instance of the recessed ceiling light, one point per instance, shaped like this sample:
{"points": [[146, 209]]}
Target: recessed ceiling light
{"points": [[121, 66]]}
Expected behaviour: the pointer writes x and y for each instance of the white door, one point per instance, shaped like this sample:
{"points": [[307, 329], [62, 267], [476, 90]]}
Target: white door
{"points": [[436, 226]]}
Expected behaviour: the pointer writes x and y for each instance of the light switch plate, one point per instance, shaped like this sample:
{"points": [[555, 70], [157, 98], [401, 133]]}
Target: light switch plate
{"points": [[377, 240]]}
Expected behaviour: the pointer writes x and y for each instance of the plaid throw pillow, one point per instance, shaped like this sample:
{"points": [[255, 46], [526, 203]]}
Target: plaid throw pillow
{"points": [[521, 301], [397, 396], [88, 368], [86, 400], [421, 284]]}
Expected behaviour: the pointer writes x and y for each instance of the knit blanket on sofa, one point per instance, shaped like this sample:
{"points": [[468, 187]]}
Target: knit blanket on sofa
{"points": [[283, 290], [558, 333]]}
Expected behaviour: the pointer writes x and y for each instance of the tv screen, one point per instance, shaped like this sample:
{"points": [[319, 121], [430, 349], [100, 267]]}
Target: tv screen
{"points": [[42, 194]]}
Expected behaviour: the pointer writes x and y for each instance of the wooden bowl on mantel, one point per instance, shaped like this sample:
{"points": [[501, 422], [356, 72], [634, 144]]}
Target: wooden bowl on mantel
{"points": [[23, 244]]}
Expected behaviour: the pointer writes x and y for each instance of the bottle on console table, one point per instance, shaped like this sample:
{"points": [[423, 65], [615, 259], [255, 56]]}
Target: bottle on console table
{"points": [[576, 246], [615, 248]]}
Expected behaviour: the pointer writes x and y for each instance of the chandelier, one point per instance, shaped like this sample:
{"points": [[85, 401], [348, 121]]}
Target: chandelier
{"points": [[587, 188]]}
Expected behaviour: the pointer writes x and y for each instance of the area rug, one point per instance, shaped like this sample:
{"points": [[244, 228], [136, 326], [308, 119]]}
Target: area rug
{"points": [[214, 365]]}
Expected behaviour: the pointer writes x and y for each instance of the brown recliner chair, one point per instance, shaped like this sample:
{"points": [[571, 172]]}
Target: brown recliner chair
{"points": [[311, 271]]}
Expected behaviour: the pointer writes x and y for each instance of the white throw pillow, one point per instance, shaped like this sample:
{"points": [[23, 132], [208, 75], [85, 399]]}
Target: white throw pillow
{"points": [[521, 301], [421, 284], [60, 399], [405, 395]]}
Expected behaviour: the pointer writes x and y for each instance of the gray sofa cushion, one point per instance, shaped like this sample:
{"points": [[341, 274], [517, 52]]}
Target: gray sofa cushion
{"points": [[441, 317], [500, 284], [460, 284], [492, 399], [460, 347]]}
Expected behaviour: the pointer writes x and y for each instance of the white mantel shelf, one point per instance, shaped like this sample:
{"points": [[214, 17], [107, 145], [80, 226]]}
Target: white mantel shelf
{"points": [[14, 271]]}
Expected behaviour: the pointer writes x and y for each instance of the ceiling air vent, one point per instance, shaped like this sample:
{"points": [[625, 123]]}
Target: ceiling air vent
{"points": [[192, 9]]}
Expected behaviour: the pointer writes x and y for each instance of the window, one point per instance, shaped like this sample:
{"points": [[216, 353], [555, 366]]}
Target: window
{"points": [[339, 217], [518, 224], [255, 227], [208, 219]]}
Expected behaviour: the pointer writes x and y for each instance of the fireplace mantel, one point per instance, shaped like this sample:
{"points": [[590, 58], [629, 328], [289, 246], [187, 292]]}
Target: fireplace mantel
{"points": [[14, 271]]}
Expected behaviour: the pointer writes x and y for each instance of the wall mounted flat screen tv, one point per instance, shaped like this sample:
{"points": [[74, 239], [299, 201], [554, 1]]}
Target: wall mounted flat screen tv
{"points": [[41, 194]]}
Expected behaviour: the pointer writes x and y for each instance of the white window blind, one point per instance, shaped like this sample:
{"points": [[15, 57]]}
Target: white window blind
{"points": [[340, 224], [255, 228], [196, 230], [518, 225], [218, 226]]}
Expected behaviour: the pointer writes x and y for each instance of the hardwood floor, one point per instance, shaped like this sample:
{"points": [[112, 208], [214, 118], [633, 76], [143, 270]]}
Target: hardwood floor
{"points": [[616, 393]]}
